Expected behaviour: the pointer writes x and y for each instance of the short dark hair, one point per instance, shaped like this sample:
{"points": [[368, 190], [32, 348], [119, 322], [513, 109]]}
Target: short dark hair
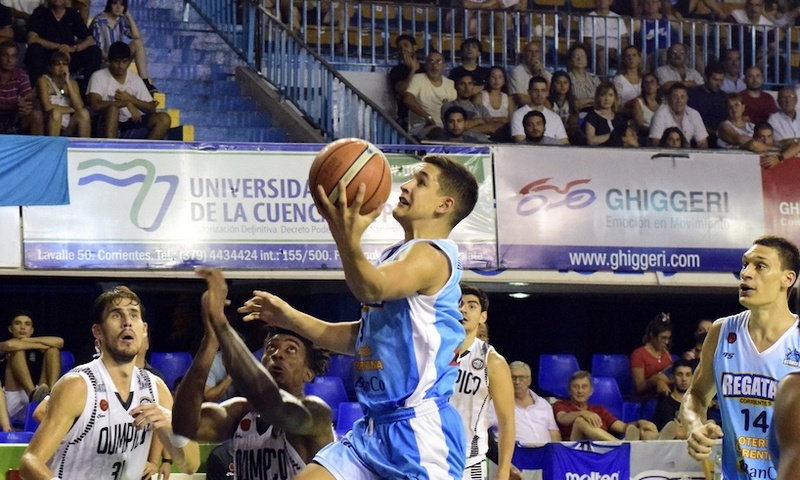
{"points": [[8, 43], [109, 3], [682, 363], [457, 181], [111, 297], [452, 110], [20, 313], [536, 79], [57, 56], [787, 251], [119, 51], [678, 86], [531, 114], [714, 68], [474, 41], [760, 126], [317, 359], [468, 289], [405, 36]]}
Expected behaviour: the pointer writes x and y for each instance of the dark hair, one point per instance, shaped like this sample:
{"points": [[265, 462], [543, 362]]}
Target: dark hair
{"points": [[474, 41], [576, 46], [456, 181], [8, 43], [570, 95], [20, 313], [761, 126], [714, 68], [678, 86], [659, 324], [531, 114], [405, 36], [682, 363], [452, 110], [602, 89], [505, 78], [110, 298], [118, 51], [467, 74], [536, 79], [467, 289], [634, 47], [664, 136], [787, 251], [111, 2], [317, 359], [57, 56]]}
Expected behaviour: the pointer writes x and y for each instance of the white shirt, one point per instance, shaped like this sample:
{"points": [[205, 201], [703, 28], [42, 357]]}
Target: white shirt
{"points": [[691, 124], [783, 127], [605, 29], [553, 128], [666, 73], [733, 86], [534, 423], [520, 77], [105, 85]]}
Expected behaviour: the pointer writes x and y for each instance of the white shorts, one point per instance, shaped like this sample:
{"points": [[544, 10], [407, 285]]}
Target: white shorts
{"points": [[17, 405]]}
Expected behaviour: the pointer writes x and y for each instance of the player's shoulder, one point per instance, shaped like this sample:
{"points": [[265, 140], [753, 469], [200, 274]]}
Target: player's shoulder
{"points": [[317, 407]]}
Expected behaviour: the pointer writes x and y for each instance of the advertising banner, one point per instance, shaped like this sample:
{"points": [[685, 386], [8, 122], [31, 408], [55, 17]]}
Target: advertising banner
{"points": [[782, 199], [11, 246], [251, 209], [626, 210]]}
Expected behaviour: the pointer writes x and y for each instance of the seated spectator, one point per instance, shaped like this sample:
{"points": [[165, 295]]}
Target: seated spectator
{"points": [[772, 152], [537, 91], [532, 66], [605, 30], [676, 113], [673, 138], [785, 122], [426, 94], [32, 365], [645, 106], [653, 32], [401, 74], [628, 80], [478, 119], [53, 26], [758, 105], [698, 337], [498, 103], [676, 70], [709, 100], [603, 125], [751, 17], [580, 420], [122, 99], [734, 80], [116, 24], [219, 384], [61, 100], [668, 407], [17, 111], [535, 124], [736, 130], [584, 82], [471, 50], [649, 361], [455, 127], [562, 101], [533, 415], [6, 24]]}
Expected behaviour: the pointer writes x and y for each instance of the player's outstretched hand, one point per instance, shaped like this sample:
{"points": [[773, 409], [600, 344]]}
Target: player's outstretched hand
{"points": [[215, 298], [702, 439], [345, 221], [149, 470], [151, 416], [270, 309]]}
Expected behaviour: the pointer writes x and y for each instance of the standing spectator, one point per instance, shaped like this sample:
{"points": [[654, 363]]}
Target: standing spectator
{"points": [[426, 94], [61, 100], [676, 70], [628, 80], [669, 406], [471, 50], [532, 66], [584, 82], [785, 122], [649, 361], [17, 111], [535, 124], [709, 100], [758, 105], [734, 80], [401, 74], [737, 129], [654, 33], [606, 31], [53, 26], [533, 415], [673, 138], [603, 125], [122, 99], [116, 24], [562, 101], [646, 105], [537, 92], [677, 113]]}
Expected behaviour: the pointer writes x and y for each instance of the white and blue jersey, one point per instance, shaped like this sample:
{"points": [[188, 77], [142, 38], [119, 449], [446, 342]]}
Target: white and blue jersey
{"points": [[746, 381], [406, 368]]}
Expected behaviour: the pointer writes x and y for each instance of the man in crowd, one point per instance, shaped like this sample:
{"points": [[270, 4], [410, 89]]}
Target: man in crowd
{"points": [[425, 95], [520, 76], [533, 415], [734, 80], [401, 74], [455, 127], [758, 105], [709, 100], [478, 119], [607, 31], [785, 122], [669, 406], [535, 124], [17, 111], [772, 152], [554, 127], [471, 50], [676, 113], [676, 70]]}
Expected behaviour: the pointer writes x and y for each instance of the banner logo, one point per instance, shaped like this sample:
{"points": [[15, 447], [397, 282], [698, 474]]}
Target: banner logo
{"points": [[147, 180], [540, 195]]}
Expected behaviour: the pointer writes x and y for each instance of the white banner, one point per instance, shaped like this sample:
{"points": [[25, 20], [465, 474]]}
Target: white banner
{"points": [[11, 246]]}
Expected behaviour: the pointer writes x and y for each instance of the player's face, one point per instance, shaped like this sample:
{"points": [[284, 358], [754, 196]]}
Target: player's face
{"points": [[764, 281], [470, 308], [683, 378], [521, 380], [285, 358], [21, 326], [420, 197], [123, 330], [580, 390]]}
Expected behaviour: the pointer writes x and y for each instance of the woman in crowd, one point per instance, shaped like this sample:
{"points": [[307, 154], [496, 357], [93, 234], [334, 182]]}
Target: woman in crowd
{"points": [[645, 105], [562, 101], [603, 126], [649, 361], [673, 137], [629, 79], [498, 102], [737, 129], [584, 82], [61, 100]]}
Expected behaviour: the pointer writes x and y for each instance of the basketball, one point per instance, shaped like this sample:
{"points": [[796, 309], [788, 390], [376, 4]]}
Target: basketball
{"points": [[354, 161]]}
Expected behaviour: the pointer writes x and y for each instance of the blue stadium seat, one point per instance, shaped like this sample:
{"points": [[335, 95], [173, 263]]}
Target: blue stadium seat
{"points": [[616, 366], [15, 437], [554, 372], [331, 389], [606, 393], [649, 408], [342, 366], [259, 353], [67, 361], [349, 412], [30, 423], [171, 364]]}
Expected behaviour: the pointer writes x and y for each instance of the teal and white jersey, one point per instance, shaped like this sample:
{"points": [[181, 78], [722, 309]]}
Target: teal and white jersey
{"points": [[746, 383]]}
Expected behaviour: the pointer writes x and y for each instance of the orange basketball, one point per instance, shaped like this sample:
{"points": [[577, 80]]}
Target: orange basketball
{"points": [[354, 161]]}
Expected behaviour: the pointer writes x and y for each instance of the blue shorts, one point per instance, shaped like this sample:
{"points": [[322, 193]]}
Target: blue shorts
{"points": [[421, 443]]}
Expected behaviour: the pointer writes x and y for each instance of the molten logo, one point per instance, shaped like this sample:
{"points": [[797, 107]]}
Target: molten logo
{"points": [[540, 195], [592, 476]]}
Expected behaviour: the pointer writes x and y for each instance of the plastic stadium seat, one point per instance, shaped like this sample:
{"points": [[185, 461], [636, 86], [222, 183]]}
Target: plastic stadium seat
{"points": [[331, 389], [171, 364], [606, 393], [67, 361], [349, 412], [259, 353], [616, 366], [554, 372], [342, 366], [15, 437], [649, 409], [30, 423]]}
